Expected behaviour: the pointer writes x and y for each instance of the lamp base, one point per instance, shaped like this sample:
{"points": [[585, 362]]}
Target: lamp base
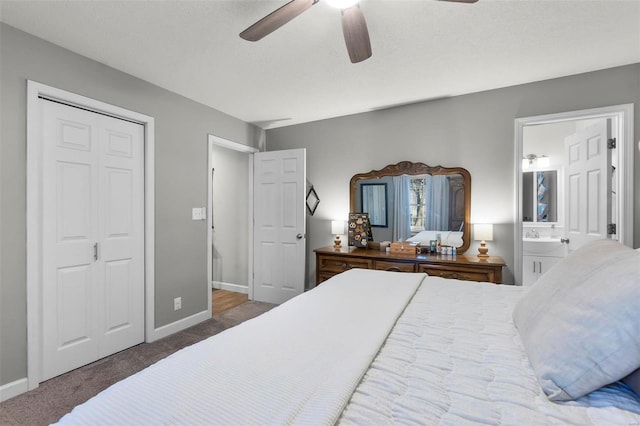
{"points": [[483, 250], [337, 244]]}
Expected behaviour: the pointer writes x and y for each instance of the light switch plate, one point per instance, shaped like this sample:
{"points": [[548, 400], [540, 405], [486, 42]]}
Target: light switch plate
{"points": [[198, 213]]}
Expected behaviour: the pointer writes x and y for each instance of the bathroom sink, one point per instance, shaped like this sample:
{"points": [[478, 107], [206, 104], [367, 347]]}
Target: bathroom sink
{"points": [[542, 239], [544, 246]]}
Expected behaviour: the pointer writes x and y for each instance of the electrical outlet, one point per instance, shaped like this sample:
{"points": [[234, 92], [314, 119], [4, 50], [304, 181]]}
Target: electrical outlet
{"points": [[177, 303]]}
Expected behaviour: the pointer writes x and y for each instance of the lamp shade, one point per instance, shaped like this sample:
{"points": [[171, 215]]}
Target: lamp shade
{"points": [[342, 4], [337, 227], [483, 232], [543, 162]]}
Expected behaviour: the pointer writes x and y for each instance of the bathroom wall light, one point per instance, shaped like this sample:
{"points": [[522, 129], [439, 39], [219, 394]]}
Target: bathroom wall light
{"points": [[535, 161], [542, 162], [342, 4]]}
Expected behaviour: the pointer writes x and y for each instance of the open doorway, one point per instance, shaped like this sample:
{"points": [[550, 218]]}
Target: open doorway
{"points": [[543, 138], [230, 228]]}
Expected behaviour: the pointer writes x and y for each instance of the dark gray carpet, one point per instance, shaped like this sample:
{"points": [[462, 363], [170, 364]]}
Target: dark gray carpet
{"points": [[56, 397]]}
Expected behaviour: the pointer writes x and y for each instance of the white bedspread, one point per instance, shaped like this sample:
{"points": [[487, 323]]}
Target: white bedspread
{"points": [[455, 358], [298, 363]]}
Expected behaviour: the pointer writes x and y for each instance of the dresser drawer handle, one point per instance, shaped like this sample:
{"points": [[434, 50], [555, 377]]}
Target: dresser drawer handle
{"points": [[393, 269]]}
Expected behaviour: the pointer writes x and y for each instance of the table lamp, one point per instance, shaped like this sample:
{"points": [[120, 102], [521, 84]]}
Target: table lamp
{"points": [[483, 232], [337, 228]]}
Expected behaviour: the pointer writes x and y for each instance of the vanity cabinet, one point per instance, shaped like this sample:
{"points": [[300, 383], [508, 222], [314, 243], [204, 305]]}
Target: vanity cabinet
{"points": [[539, 255], [330, 262], [534, 266]]}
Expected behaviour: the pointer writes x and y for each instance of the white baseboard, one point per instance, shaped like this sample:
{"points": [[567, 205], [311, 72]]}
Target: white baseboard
{"points": [[230, 287], [13, 389], [174, 327]]}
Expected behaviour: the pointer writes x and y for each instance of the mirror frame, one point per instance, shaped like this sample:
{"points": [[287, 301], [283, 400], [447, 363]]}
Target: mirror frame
{"points": [[411, 168]]}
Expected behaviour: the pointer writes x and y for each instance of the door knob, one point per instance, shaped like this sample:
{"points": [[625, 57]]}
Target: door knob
{"points": [[564, 240], [299, 236]]}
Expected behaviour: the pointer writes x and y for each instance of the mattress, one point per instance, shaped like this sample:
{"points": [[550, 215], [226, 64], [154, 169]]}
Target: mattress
{"points": [[365, 347], [455, 358], [296, 364]]}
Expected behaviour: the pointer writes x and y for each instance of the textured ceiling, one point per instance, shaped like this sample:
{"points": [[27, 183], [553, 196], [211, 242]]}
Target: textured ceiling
{"points": [[421, 49]]}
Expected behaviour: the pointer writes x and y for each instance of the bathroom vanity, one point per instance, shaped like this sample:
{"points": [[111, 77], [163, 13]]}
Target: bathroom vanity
{"points": [[539, 254]]}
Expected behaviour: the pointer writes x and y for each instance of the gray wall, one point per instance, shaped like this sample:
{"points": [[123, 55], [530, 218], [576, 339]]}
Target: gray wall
{"points": [[181, 128], [473, 131]]}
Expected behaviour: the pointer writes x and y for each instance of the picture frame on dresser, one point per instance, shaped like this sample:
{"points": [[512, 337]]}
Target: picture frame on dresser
{"points": [[359, 232]]}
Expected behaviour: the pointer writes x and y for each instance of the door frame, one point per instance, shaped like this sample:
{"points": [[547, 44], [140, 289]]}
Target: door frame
{"points": [[622, 131], [212, 141], [35, 91]]}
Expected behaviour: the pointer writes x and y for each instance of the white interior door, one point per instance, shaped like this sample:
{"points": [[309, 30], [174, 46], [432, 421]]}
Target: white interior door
{"points": [[279, 225], [588, 184], [93, 237]]}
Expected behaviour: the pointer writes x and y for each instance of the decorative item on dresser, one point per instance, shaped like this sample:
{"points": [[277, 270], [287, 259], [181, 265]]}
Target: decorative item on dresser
{"points": [[330, 262]]}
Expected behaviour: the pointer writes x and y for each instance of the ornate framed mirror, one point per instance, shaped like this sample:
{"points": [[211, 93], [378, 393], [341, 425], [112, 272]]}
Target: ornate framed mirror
{"points": [[421, 201]]}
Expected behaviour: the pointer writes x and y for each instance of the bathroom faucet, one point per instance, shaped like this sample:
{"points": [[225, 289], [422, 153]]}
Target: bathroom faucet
{"points": [[533, 234]]}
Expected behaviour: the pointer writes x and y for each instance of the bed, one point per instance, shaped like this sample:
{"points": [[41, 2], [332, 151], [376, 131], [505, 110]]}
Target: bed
{"points": [[377, 347]]}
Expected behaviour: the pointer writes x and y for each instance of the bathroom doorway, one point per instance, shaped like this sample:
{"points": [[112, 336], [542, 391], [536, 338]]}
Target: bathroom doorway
{"points": [[541, 231], [230, 226]]}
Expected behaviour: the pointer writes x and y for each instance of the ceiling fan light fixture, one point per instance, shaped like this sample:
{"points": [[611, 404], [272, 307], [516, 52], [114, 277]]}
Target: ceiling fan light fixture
{"points": [[342, 4]]}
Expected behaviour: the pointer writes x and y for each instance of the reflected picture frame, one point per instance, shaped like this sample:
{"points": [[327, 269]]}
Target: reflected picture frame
{"points": [[373, 198]]}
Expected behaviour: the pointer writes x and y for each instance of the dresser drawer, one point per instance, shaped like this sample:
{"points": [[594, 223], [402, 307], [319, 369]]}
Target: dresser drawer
{"points": [[384, 265], [467, 273], [337, 264]]}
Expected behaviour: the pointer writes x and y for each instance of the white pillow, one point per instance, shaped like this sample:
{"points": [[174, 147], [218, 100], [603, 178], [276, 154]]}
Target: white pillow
{"points": [[447, 238], [580, 323]]}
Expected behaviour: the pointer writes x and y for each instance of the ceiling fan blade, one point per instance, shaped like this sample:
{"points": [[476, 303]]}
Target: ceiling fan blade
{"points": [[356, 35], [462, 1], [276, 19]]}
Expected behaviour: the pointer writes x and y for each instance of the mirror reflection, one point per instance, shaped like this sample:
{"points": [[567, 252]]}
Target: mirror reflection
{"points": [[373, 200], [420, 201], [540, 196]]}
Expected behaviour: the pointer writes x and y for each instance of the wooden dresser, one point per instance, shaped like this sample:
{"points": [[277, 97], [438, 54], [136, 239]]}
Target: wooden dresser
{"points": [[330, 262]]}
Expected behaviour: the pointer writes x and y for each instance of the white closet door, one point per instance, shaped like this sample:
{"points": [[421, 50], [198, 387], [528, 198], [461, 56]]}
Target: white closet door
{"points": [[93, 234]]}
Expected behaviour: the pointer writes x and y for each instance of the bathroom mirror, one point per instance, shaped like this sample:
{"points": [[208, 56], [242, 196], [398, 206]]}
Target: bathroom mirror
{"points": [[540, 196], [431, 199]]}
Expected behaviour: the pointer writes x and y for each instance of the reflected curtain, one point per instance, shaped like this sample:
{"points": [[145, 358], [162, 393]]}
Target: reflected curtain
{"points": [[437, 197], [401, 229]]}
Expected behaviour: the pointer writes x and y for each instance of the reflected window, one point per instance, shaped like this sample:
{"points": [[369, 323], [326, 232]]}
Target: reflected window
{"points": [[429, 203], [417, 203]]}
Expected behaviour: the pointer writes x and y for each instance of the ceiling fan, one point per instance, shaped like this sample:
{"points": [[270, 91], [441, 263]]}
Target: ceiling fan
{"points": [[354, 26]]}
